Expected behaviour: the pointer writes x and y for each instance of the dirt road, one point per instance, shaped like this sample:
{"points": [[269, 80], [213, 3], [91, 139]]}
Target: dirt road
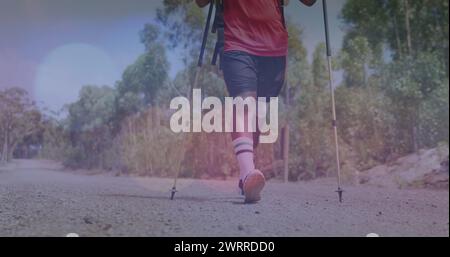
{"points": [[38, 199]]}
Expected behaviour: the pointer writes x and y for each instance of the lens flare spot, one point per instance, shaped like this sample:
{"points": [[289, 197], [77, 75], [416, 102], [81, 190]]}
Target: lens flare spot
{"points": [[66, 69]]}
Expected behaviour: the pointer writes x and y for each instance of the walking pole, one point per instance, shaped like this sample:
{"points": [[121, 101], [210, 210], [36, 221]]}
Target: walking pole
{"points": [[333, 103], [194, 85]]}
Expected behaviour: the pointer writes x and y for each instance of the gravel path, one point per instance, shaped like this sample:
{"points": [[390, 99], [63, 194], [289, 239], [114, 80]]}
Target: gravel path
{"points": [[37, 199]]}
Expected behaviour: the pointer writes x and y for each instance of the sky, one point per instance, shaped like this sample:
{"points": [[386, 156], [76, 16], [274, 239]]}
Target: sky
{"points": [[53, 47]]}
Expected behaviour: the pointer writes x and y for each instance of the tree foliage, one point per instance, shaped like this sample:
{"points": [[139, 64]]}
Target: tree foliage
{"points": [[400, 49], [393, 98], [19, 119]]}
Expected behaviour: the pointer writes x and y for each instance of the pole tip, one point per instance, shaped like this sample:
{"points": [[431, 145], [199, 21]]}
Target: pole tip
{"points": [[340, 191], [173, 191]]}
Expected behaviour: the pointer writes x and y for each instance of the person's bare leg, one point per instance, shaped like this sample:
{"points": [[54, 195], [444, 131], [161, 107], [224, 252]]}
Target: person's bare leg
{"points": [[243, 141], [251, 181]]}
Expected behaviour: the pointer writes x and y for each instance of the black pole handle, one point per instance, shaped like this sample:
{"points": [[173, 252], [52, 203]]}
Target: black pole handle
{"points": [[205, 34], [327, 33]]}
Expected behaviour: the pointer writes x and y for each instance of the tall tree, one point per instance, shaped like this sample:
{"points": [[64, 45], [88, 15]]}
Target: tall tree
{"points": [[183, 23], [415, 33], [299, 70], [356, 59], [19, 118], [89, 124], [406, 27], [147, 75], [319, 67]]}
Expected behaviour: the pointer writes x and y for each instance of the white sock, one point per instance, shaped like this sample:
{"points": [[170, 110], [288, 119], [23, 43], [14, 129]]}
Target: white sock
{"points": [[243, 148]]}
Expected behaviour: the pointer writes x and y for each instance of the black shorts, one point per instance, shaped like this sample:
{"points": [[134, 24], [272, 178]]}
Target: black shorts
{"points": [[245, 73]]}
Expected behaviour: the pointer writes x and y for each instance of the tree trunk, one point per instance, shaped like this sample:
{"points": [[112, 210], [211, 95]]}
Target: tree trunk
{"points": [[286, 153], [414, 133], [414, 138], [408, 26], [132, 134], [397, 38], [286, 138], [11, 149], [147, 128], [5, 148], [365, 79]]}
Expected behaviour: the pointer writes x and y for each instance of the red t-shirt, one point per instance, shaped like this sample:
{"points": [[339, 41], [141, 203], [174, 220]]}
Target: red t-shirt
{"points": [[255, 27]]}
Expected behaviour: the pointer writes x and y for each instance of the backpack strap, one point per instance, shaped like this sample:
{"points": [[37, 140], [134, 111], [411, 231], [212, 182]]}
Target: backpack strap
{"points": [[219, 24]]}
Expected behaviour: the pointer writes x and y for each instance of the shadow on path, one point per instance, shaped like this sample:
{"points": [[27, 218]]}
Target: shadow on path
{"points": [[233, 200]]}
